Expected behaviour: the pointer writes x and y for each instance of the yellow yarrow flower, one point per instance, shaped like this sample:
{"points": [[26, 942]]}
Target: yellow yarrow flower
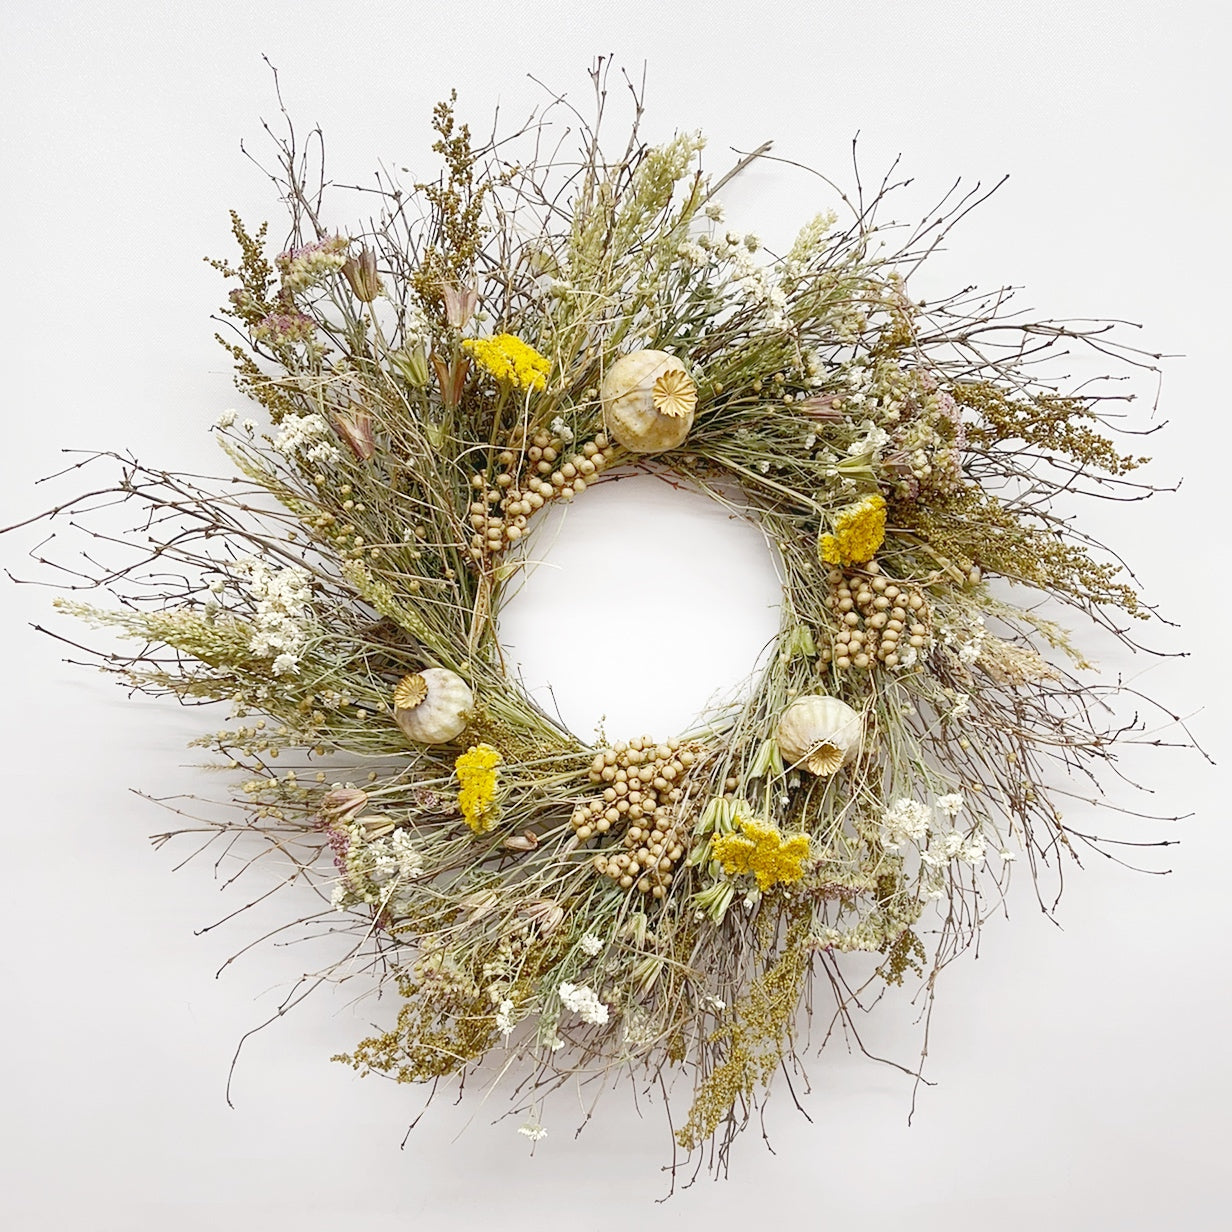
{"points": [[510, 360], [761, 850], [859, 530], [476, 770]]}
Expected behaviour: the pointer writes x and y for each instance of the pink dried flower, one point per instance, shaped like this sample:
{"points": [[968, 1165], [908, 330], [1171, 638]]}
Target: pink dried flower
{"points": [[356, 430], [362, 276], [460, 304], [822, 408], [284, 327]]}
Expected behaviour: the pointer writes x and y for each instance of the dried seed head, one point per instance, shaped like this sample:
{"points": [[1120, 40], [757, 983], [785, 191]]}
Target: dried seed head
{"points": [[376, 825], [674, 393], [356, 431], [343, 803], [526, 841], [362, 276], [824, 760], [545, 914], [460, 303], [410, 692]]}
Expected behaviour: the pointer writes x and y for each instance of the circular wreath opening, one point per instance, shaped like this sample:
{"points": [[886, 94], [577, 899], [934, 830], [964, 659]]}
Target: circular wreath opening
{"points": [[646, 606]]}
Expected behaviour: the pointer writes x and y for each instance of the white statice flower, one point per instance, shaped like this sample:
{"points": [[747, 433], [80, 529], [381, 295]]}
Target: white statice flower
{"points": [[962, 704], [286, 664], [965, 639], [377, 871], [562, 430], [905, 821], [872, 442], [754, 282], [415, 327], [714, 1003], [533, 1130], [969, 651], [338, 896], [281, 618], [974, 850], [948, 845], [692, 254], [584, 1002], [392, 858], [951, 805], [715, 211], [408, 859], [249, 426], [225, 420], [1007, 856], [305, 436], [504, 1018], [638, 1028], [590, 944]]}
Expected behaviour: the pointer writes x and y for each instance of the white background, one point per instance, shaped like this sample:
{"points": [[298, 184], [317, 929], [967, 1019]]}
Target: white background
{"points": [[1082, 1072]]}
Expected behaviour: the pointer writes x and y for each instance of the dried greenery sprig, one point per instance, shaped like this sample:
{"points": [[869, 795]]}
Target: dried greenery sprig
{"points": [[492, 343]]}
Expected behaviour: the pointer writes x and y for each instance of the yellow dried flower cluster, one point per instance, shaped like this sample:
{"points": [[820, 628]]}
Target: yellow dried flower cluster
{"points": [[761, 850], [859, 530], [476, 770], [510, 360]]}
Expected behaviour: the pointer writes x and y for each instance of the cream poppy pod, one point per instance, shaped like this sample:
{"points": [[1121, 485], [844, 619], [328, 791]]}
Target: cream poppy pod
{"points": [[432, 706], [648, 400], [820, 732]]}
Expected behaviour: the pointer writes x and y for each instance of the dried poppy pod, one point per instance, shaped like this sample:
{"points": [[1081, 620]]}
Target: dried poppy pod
{"points": [[648, 400], [432, 706], [820, 732]]}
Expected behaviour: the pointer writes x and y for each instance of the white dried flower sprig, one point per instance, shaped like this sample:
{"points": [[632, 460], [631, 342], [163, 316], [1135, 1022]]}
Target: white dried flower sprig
{"points": [[281, 621], [584, 1002], [308, 437]]}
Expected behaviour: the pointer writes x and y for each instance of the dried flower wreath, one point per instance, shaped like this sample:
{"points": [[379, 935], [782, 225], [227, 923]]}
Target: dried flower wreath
{"points": [[493, 343]]}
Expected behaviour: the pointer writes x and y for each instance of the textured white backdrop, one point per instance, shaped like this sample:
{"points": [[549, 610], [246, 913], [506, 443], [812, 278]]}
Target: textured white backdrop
{"points": [[1082, 1074]]}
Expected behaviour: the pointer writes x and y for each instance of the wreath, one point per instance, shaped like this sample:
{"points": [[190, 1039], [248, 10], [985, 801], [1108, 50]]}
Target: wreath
{"points": [[495, 342]]}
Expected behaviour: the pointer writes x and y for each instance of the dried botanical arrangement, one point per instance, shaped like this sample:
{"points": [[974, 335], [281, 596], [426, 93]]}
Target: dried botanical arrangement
{"points": [[493, 343]]}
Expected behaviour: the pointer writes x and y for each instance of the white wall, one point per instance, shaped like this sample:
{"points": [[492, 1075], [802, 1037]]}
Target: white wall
{"points": [[1081, 1071]]}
